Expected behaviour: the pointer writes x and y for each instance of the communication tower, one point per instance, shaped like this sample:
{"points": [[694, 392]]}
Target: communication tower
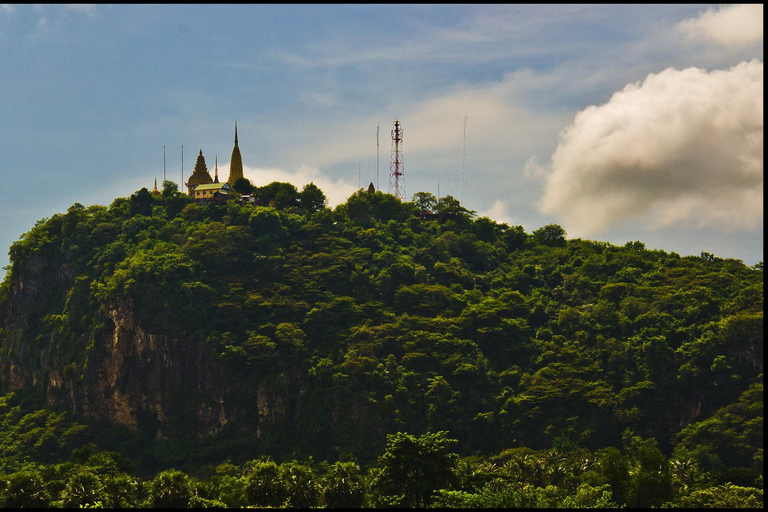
{"points": [[396, 168]]}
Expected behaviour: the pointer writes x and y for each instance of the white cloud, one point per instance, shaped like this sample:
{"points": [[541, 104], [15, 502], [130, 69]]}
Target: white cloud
{"points": [[504, 127], [498, 212], [733, 25], [499, 122], [337, 191], [534, 170], [681, 146]]}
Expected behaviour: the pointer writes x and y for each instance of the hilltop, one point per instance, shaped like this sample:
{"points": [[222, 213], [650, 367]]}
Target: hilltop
{"points": [[309, 331]]}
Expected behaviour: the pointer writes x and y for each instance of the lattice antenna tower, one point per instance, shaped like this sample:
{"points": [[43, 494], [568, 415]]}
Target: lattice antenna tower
{"points": [[396, 168]]}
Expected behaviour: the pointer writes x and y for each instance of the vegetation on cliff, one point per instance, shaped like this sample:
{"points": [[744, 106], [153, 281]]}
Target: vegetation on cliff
{"points": [[566, 372]]}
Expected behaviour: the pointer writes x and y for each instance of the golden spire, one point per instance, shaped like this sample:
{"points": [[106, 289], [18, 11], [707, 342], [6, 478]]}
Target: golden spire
{"points": [[200, 175], [236, 163], [155, 191], [216, 172]]}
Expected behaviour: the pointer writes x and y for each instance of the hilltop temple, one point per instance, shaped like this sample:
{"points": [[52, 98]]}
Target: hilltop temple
{"points": [[204, 188], [235, 163]]}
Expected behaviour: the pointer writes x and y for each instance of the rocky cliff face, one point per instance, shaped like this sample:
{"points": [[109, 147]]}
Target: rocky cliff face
{"points": [[121, 372]]}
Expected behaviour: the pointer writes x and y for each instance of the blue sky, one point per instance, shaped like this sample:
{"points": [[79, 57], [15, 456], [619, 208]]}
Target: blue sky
{"points": [[619, 123]]}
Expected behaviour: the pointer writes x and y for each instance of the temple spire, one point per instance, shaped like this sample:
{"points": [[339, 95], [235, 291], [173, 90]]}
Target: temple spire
{"points": [[216, 171], [235, 163], [200, 176]]}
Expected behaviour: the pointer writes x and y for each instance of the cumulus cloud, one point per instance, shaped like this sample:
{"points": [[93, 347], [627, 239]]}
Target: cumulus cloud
{"points": [[498, 212], [337, 191], [684, 145], [733, 25]]}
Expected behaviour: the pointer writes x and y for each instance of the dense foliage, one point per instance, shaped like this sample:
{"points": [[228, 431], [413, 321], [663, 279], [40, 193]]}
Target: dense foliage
{"points": [[567, 372]]}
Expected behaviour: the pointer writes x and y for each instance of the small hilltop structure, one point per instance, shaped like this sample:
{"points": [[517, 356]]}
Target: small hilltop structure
{"points": [[235, 163], [204, 188]]}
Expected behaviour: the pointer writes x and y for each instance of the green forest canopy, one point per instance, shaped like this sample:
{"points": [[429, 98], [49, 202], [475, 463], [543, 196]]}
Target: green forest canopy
{"points": [[562, 368]]}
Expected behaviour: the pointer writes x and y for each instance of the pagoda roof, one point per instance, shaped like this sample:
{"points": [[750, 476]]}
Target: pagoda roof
{"points": [[213, 186]]}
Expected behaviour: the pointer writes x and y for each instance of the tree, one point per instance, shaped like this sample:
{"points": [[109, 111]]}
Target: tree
{"points": [[243, 186], [170, 489], [301, 484], [449, 208], [230, 490], [141, 203], [724, 496], [614, 470], [264, 486], [365, 208], [414, 467], [281, 195], [311, 198], [83, 489], [170, 188], [552, 235], [637, 245], [343, 486], [120, 491], [514, 237], [651, 483], [424, 201], [24, 489]]}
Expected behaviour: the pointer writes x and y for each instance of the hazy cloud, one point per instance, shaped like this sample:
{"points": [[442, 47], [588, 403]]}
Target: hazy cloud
{"points": [[681, 146], [7, 8], [314, 98], [498, 212], [733, 25], [337, 191], [499, 122]]}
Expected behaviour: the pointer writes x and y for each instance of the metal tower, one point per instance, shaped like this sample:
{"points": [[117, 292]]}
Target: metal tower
{"points": [[396, 168]]}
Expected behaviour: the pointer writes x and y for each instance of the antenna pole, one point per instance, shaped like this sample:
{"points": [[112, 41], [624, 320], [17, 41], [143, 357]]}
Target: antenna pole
{"points": [[463, 158], [377, 156], [163, 163], [182, 165]]}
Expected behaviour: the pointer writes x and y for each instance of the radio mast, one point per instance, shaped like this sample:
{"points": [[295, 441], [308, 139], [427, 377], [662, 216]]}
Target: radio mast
{"points": [[463, 158], [377, 156], [396, 168]]}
